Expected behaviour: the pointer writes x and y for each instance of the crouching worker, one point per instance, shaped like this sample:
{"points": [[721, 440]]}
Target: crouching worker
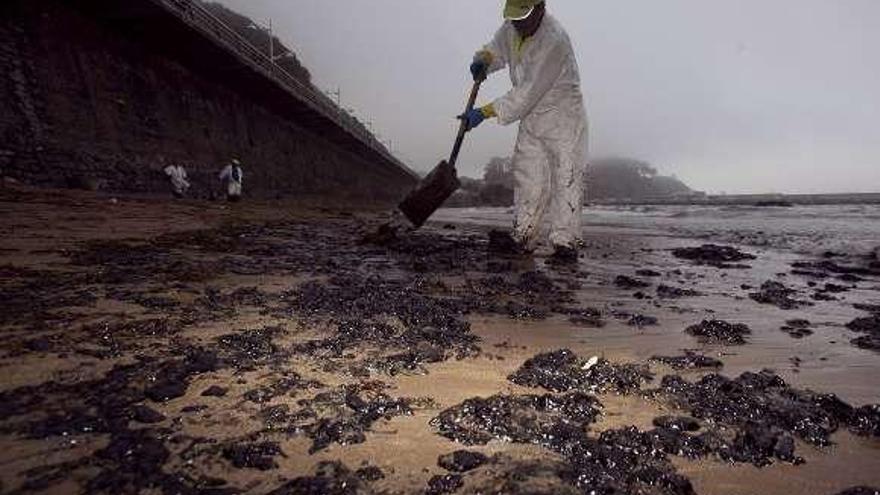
{"points": [[232, 176], [179, 182], [551, 148]]}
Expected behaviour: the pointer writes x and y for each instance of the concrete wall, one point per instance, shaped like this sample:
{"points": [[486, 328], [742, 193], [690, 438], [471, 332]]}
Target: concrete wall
{"points": [[81, 102]]}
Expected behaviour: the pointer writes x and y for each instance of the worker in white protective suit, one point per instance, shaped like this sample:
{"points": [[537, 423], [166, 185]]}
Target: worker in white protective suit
{"points": [[232, 175], [179, 182], [546, 99]]}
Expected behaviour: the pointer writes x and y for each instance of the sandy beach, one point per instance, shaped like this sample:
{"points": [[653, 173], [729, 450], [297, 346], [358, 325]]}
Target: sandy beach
{"points": [[152, 346]]}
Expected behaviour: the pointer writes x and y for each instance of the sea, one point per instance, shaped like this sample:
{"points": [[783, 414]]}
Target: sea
{"points": [[849, 230]]}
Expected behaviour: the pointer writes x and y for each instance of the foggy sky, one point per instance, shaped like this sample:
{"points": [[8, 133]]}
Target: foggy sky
{"points": [[736, 97]]}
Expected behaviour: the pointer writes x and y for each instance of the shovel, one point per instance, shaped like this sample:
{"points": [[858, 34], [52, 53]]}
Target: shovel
{"points": [[437, 186]]}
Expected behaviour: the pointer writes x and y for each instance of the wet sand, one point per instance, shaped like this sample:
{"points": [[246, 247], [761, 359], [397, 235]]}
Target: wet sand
{"points": [[119, 313]]}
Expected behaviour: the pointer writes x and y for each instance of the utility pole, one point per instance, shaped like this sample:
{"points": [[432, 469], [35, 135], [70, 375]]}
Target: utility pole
{"points": [[271, 47]]}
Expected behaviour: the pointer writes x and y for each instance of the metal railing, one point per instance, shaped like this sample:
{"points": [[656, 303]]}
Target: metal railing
{"points": [[200, 18]]}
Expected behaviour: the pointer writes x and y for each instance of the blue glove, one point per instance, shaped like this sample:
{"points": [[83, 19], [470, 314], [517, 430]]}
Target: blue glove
{"points": [[480, 70], [472, 118]]}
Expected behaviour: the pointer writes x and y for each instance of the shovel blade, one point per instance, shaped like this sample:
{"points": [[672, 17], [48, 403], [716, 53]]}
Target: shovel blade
{"points": [[430, 194]]}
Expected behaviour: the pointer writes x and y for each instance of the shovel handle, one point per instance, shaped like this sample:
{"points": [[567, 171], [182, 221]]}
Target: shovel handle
{"points": [[462, 130]]}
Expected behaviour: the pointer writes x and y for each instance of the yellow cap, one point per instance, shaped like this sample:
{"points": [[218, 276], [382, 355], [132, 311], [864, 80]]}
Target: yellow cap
{"points": [[516, 10]]}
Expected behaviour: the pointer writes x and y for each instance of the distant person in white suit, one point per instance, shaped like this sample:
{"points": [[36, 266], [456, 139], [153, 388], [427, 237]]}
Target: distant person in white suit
{"points": [[232, 175], [179, 183]]}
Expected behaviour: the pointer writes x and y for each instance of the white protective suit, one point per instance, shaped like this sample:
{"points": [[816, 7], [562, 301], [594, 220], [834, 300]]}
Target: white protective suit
{"points": [[179, 182], [233, 175], [551, 148]]}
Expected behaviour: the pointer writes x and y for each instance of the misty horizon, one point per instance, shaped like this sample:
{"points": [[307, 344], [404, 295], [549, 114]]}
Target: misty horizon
{"points": [[745, 98]]}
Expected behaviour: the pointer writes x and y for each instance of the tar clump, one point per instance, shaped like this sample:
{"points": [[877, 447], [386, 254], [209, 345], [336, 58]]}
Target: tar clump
{"points": [[870, 327], [624, 282], [517, 418], [680, 423], [860, 490], [563, 371], [330, 478], [765, 411], [669, 292], [344, 415], [719, 332], [613, 463], [249, 348], [797, 328], [585, 317], [361, 309], [714, 255], [444, 483], [256, 455], [462, 461], [778, 295], [689, 361]]}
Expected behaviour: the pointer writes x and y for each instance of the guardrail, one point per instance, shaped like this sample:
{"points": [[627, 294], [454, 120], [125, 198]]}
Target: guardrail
{"points": [[200, 18]]}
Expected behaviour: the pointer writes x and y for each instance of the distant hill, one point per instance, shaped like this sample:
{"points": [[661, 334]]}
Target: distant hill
{"points": [[618, 179], [628, 179]]}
